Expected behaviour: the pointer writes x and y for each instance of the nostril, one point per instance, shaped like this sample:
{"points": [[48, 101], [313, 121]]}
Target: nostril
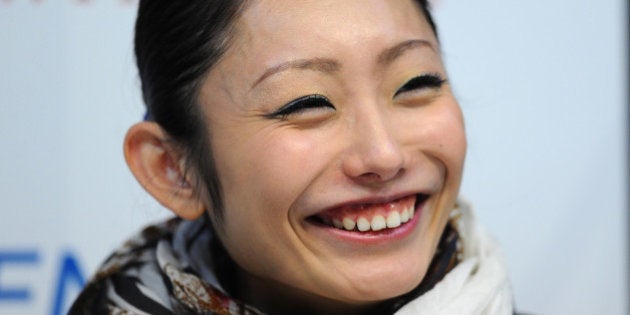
{"points": [[375, 165], [381, 176], [374, 152], [371, 177]]}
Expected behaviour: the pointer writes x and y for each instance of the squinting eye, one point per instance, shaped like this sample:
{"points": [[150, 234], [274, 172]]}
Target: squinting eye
{"points": [[423, 81], [303, 104]]}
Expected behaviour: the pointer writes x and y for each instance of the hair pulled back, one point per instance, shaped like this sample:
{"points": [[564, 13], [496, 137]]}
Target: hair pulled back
{"points": [[176, 44]]}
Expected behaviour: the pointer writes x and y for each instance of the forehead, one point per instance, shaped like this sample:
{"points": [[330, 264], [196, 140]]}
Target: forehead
{"points": [[276, 15], [273, 31]]}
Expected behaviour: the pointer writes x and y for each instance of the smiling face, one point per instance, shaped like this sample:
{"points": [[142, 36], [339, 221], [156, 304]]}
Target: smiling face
{"points": [[339, 146]]}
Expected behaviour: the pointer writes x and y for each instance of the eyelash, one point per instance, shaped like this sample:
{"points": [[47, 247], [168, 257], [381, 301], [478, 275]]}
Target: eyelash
{"points": [[423, 81], [304, 103], [301, 104]]}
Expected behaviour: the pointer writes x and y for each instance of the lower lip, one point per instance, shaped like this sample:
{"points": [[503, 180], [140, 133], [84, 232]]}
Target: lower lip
{"points": [[374, 237]]}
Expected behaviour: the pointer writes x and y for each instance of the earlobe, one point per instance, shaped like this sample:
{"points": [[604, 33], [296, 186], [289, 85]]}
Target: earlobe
{"points": [[158, 166]]}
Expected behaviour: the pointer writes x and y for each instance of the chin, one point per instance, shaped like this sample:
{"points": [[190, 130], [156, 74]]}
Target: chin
{"points": [[385, 280]]}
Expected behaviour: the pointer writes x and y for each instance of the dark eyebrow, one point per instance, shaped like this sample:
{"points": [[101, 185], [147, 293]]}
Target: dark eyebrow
{"points": [[330, 65], [390, 54], [317, 64]]}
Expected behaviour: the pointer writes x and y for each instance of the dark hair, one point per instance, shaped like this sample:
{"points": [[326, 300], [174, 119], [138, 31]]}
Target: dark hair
{"points": [[176, 45]]}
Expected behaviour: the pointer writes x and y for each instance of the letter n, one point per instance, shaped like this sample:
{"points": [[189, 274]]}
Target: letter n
{"points": [[70, 273]]}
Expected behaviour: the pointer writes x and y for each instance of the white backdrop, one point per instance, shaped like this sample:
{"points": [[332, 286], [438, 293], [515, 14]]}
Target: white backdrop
{"points": [[542, 85]]}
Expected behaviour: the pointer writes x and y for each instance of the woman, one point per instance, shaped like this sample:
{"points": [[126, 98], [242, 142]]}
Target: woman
{"points": [[313, 152]]}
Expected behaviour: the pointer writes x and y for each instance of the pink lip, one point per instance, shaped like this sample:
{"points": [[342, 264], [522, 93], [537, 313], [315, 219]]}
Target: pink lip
{"points": [[373, 200], [372, 237]]}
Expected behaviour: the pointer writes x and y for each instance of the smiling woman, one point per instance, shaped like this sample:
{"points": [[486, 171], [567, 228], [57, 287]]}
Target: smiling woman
{"points": [[313, 151]]}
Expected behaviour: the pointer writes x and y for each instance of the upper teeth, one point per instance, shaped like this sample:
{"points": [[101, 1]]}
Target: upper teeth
{"points": [[349, 224], [394, 219], [404, 216], [363, 224]]}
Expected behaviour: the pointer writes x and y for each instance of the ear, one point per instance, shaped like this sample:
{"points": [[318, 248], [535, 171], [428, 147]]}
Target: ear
{"points": [[158, 167]]}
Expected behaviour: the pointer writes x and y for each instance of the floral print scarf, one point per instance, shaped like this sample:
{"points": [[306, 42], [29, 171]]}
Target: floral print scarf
{"points": [[178, 267]]}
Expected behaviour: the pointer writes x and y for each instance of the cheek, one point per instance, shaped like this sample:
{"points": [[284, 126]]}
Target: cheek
{"points": [[446, 134], [262, 178], [438, 132], [275, 168], [264, 174]]}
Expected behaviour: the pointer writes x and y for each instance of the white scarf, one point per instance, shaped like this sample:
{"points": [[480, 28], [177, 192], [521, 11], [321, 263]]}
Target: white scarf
{"points": [[477, 286]]}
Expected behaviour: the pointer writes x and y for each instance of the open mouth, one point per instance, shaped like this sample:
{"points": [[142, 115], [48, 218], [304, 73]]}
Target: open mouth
{"points": [[371, 217]]}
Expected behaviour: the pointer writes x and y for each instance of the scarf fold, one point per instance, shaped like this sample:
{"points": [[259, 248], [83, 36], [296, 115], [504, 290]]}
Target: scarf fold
{"points": [[171, 268], [478, 285]]}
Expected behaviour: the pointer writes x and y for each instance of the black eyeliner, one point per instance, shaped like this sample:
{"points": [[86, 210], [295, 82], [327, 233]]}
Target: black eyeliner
{"points": [[426, 80], [300, 104]]}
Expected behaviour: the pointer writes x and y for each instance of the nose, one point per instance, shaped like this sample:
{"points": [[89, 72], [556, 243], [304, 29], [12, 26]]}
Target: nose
{"points": [[374, 155]]}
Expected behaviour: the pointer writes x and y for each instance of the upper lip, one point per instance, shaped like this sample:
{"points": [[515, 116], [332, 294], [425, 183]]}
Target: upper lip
{"points": [[369, 200]]}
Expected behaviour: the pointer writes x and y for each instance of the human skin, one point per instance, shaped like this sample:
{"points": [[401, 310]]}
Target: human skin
{"points": [[374, 145]]}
